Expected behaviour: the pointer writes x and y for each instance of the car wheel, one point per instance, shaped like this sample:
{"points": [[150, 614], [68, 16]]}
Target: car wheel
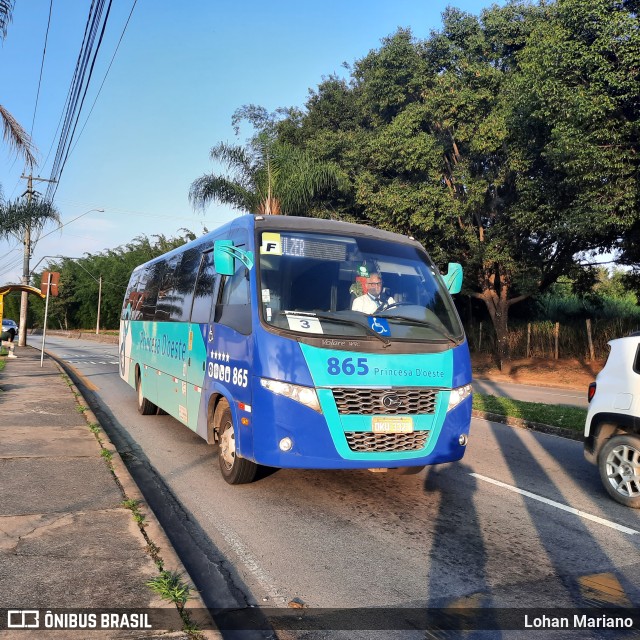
{"points": [[619, 465], [235, 469], [145, 407]]}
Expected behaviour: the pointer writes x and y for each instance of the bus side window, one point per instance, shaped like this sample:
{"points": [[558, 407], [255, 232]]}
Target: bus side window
{"points": [[165, 306], [233, 308], [181, 296], [131, 296], [203, 295], [149, 286]]}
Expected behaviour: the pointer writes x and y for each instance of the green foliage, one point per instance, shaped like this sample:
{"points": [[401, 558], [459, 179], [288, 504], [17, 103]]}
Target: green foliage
{"points": [[564, 308], [6, 14], [170, 586], [540, 337], [558, 416], [134, 507], [17, 216], [268, 176], [505, 141]]}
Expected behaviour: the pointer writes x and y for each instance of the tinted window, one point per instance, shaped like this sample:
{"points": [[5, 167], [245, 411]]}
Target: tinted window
{"points": [[148, 287], [184, 282], [131, 296], [204, 290], [166, 304]]}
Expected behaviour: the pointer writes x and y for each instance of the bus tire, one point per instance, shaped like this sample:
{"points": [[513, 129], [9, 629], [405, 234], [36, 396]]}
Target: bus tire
{"points": [[145, 407], [234, 468]]}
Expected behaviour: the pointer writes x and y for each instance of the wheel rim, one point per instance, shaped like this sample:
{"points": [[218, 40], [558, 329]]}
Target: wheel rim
{"points": [[228, 446], [623, 470], [140, 396]]}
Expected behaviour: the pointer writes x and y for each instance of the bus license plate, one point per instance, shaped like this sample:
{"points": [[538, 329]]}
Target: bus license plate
{"points": [[391, 425]]}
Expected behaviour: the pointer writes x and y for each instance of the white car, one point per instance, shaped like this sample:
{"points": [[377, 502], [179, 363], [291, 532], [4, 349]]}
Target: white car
{"points": [[612, 428], [10, 327]]}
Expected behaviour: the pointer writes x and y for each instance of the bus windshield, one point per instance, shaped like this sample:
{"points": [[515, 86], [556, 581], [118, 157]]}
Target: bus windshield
{"points": [[353, 286]]}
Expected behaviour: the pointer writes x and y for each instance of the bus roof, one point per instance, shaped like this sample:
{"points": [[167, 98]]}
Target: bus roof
{"points": [[320, 225], [287, 223]]}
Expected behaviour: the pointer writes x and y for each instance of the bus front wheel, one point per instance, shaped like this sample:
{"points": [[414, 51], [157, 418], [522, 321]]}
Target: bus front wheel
{"points": [[235, 469], [145, 407]]}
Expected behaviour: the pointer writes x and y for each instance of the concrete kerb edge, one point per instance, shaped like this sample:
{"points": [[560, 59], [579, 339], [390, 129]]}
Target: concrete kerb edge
{"points": [[530, 426], [152, 526]]}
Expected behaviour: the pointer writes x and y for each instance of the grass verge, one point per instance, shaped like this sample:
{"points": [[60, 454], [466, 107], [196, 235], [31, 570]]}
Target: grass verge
{"points": [[554, 415]]}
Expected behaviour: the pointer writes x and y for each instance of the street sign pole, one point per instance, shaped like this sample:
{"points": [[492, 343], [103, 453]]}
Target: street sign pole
{"points": [[46, 311]]}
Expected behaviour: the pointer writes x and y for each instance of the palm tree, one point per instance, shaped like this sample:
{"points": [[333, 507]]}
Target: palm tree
{"points": [[16, 217], [6, 11], [267, 177], [14, 135]]}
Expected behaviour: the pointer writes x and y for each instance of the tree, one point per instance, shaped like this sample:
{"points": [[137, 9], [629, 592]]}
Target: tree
{"points": [[18, 216], [267, 176], [506, 141], [14, 135]]}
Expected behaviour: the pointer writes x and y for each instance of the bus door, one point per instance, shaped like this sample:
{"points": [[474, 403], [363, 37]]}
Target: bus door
{"points": [[199, 341], [230, 364]]}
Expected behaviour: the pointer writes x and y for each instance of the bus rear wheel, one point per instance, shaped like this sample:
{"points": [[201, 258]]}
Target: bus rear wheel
{"points": [[145, 407], [235, 469]]}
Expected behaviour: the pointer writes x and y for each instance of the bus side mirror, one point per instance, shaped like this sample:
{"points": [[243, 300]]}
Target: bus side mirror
{"points": [[225, 254], [223, 260], [453, 277]]}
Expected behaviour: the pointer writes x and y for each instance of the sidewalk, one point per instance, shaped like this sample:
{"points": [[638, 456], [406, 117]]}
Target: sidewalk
{"points": [[69, 548]]}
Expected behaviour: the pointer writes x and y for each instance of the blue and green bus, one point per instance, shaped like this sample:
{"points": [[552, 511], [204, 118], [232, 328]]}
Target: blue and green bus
{"points": [[265, 339]]}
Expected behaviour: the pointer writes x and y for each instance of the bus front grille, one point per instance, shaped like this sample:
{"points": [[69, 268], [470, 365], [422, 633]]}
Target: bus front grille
{"points": [[366, 441], [392, 401]]}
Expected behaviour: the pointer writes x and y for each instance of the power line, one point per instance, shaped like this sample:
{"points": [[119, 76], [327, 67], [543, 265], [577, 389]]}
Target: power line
{"points": [[44, 51], [71, 110], [105, 75], [84, 95]]}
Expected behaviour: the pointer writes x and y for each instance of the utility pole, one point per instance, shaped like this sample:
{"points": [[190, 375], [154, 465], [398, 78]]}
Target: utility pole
{"points": [[99, 300], [22, 339]]}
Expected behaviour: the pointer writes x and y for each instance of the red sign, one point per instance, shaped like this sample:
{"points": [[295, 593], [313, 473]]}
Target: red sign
{"points": [[50, 276]]}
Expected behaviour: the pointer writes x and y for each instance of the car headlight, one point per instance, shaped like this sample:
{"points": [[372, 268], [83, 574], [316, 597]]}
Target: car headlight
{"points": [[304, 395], [457, 395]]}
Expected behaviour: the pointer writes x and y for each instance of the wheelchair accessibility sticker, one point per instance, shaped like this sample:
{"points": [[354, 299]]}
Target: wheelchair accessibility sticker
{"points": [[379, 325]]}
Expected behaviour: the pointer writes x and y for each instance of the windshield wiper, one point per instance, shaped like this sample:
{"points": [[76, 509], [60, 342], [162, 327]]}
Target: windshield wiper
{"points": [[366, 327], [424, 323]]}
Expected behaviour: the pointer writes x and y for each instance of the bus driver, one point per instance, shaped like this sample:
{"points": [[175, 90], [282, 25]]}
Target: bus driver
{"points": [[375, 299]]}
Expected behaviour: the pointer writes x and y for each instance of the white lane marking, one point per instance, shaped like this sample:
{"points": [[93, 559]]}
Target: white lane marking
{"points": [[577, 512]]}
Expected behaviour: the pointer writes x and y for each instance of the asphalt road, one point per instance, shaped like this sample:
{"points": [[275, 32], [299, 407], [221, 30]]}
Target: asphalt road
{"points": [[521, 521]]}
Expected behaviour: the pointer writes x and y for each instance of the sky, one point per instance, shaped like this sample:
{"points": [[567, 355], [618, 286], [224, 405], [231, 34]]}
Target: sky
{"points": [[179, 73]]}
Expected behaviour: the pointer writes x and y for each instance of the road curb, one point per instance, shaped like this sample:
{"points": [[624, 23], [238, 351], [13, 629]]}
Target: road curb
{"points": [[153, 531], [530, 426]]}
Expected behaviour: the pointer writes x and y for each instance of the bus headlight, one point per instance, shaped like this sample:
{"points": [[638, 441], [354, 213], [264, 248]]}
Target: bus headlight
{"points": [[304, 395], [458, 395]]}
